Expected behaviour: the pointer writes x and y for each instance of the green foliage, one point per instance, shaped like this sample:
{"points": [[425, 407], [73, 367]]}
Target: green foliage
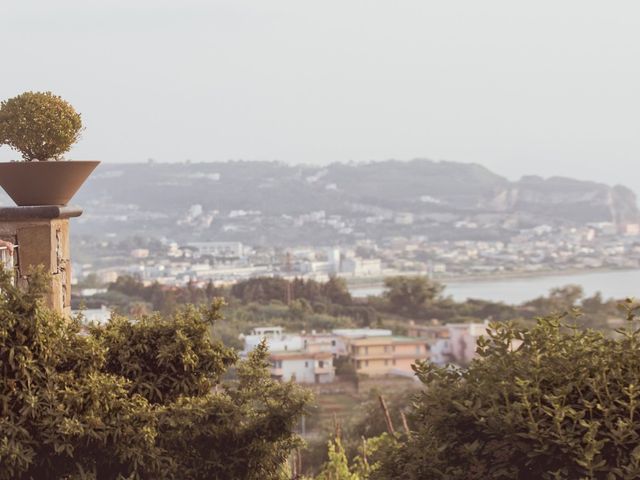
{"points": [[40, 125], [60, 415], [337, 467], [331, 297], [550, 402], [134, 400], [559, 300], [369, 422], [372, 454], [264, 290], [345, 368], [166, 357], [242, 432], [410, 295], [128, 294], [364, 464]]}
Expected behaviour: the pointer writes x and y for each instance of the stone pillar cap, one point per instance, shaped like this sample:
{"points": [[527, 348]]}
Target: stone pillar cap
{"points": [[42, 212]]}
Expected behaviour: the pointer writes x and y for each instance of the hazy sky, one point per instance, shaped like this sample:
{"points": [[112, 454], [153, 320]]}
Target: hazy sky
{"points": [[545, 87]]}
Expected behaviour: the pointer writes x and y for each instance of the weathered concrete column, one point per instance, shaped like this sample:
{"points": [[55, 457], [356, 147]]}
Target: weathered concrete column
{"points": [[42, 238]]}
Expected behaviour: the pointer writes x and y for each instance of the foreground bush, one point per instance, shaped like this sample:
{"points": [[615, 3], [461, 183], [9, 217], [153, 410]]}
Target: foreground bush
{"points": [[134, 400], [547, 403]]}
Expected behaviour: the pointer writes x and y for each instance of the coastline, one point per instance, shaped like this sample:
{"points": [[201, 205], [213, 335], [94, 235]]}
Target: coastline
{"points": [[378, 282]]}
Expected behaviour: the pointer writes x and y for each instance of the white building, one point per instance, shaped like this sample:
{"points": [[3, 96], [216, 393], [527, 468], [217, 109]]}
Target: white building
{"points": [[361, 332], [451, 342], [174, 251], [303, 358], [276, 339], [440, 351], [94, 315], [303, 367], [360, 267], [316, 267], [194, 211], [333, 255], [463, 338], [219, 249], [319, 342]]}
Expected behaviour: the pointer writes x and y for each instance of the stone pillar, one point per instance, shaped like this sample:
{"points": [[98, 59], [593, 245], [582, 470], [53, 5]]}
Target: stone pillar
{"points": [[42, 238]]}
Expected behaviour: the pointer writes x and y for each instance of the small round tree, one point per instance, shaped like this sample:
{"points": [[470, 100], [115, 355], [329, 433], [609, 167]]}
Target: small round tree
{"points": [[40, 125]]}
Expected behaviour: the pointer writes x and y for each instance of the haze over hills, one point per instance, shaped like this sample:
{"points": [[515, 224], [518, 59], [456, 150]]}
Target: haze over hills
{"points": [[435, 193]]}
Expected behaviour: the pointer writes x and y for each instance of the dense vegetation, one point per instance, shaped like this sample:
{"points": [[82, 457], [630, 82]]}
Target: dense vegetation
{"points": [[135, 399], [551, 402], [548, 402], [363, 444], [157, 397], [307, 304]]}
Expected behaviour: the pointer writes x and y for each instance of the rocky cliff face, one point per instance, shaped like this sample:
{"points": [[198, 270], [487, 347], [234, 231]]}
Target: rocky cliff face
{"points": [[566, 199], [623, 205]]}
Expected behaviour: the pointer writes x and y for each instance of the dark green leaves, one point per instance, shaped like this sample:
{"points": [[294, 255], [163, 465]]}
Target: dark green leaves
{"points": [[134, 399], [545, 403]]}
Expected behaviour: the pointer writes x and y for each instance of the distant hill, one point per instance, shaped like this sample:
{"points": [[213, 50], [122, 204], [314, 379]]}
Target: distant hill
{"points": [[416, 186], [265, 203]]}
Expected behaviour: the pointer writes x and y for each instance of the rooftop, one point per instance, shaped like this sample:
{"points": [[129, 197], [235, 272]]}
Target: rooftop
{"points": [[387, 340], [299, 355], [361, 332]]}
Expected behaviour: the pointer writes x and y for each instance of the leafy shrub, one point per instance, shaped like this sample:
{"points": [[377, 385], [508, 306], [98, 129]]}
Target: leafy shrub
{"points": [[134, 400], [551, 402], [337, 466], [40, 125], [411, 295]]}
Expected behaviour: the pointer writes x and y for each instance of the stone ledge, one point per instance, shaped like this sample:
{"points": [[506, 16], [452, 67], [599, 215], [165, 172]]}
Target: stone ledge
{"points": [[44, 212]]}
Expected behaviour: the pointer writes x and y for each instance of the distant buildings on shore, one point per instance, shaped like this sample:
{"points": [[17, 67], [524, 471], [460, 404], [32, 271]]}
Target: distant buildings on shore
{"points": [[538, 249]]}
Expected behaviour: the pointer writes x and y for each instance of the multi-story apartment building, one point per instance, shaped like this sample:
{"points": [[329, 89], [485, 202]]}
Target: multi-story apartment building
{"points": [[343, 336], [308, 357], [303, 358], [384, 355], [302, 366], [320, 342]]}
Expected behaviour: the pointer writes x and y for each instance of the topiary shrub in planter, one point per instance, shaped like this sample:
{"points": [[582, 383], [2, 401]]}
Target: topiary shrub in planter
{"points": [[41, 126]]}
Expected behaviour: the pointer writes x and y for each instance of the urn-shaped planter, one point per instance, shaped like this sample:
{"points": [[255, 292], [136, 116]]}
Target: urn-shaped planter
{"points": [[44, 183]]}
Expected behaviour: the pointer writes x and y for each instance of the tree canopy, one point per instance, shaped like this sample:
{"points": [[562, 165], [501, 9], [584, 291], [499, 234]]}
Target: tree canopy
{"points": [[411, 295], [134, 399]]}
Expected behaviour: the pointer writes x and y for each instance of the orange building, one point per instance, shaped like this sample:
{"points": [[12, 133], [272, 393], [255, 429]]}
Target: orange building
{"points": [[383, 355]]}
